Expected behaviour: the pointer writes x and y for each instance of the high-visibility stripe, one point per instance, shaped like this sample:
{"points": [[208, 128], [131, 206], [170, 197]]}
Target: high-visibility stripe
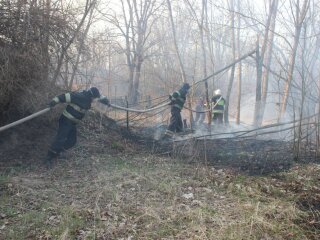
{"points": [[218, 107], [68, 115], [217, 111], [68, 98], [76, 107], [56, 99], [178, 93], [178, 106], [221, 103], [168, 132], [179, 101]]}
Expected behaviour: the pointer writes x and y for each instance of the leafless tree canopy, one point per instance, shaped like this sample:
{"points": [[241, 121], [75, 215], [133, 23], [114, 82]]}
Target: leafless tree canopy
{"points": [[141, 48]]}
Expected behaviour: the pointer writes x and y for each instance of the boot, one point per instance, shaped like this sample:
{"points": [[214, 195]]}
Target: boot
{"points": [[49, 161], [168, 135]]}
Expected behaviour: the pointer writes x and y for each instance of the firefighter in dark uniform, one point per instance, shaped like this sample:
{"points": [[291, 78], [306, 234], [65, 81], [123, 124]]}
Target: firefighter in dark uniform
{"points": [[78, 104], [178, 99], [200, 112], [217, 103]]}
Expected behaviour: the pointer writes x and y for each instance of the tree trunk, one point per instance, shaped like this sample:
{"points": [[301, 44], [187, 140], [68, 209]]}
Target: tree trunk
{"points": [[239, 66], [135, 71], [136, 36], [259, 63], [134, 97], [303, 95], [183, 74], [45, 42], [89, 5], [182, 71], [267, 59], [204, 55], [300, 16], [80, 48], [231, 78]]}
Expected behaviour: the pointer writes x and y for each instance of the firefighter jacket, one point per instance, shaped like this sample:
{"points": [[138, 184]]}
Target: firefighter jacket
{"points": [[217, 104], [178, 98], [78, 104]]}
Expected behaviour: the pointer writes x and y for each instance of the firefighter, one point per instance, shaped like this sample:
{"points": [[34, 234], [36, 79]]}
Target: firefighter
{"points": [[78, 104], [217, 104], [178, 99], [200, 111]]}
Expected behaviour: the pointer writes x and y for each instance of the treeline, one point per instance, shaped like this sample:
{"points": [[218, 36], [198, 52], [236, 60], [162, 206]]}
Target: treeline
{"points": [[138, 48]]}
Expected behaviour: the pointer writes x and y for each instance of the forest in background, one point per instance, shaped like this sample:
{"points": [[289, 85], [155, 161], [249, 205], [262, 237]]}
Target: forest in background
{"points": [[254, 178], [149, 47]]}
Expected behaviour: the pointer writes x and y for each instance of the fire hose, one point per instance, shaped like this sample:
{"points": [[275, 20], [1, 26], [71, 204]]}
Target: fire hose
{"points": [[34, 115], [24, 119], [205, 111], [140, 110]]}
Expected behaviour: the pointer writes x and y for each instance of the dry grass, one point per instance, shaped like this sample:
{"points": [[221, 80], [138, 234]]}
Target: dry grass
{"points": [[147, 197]]}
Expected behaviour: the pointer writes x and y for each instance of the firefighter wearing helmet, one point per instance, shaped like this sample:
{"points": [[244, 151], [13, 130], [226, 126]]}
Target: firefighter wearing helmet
{"points": [[178, 98], [217, 107], [77, 105]]}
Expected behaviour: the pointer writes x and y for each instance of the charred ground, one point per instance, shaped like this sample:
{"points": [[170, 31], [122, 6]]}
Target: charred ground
{"points": [[117, 184]]}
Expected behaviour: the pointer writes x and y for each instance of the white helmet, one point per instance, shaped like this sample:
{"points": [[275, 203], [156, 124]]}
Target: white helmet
{"points": [[217, 92]]}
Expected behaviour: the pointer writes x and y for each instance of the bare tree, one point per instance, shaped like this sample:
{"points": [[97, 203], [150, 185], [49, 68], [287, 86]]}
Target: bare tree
{"points": [[268, 57], [231, 77], [173, 28], [239, 65], [37, 39], [300, 14], [82, 37], [181, 67], [202, 24], [266, 45], [138, 18], [69, 41]]}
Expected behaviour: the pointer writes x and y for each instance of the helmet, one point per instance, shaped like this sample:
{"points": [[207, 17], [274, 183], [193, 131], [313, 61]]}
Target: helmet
{"points": [[217, 92], [94, 92], [185, 86]]}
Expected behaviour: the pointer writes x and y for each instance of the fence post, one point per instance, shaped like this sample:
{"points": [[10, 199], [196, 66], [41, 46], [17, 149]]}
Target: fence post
{"points": [[127, 103], [115, 97]]}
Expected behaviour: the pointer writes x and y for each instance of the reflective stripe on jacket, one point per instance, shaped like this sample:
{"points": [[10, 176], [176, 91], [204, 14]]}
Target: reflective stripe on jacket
{"points": [[78, 104], [218, 104], [178, 99]]}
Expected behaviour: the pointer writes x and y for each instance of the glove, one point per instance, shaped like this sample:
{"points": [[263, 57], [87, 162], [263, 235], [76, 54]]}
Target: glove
{"points": [[52, 103], [105, 101]]}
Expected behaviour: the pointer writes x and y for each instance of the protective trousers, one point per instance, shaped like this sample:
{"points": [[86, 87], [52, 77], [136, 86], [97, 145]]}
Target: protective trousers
{"points": [[217, 118], [176, 124], [199, 117], [66, 137]]}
